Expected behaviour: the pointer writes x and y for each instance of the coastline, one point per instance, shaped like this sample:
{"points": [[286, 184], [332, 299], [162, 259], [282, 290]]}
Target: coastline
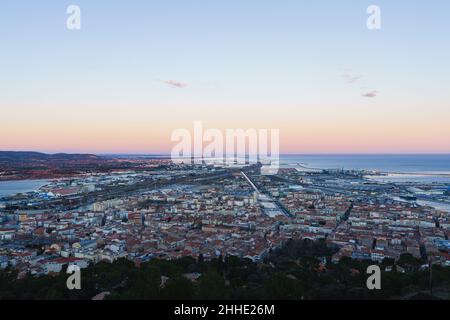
{"points": [[28, 186]]}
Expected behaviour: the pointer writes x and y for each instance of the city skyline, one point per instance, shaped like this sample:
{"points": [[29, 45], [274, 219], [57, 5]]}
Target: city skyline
{"points": [[137, 70]]}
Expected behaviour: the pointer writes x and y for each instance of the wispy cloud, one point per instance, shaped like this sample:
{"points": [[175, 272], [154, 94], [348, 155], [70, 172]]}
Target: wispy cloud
{"points": [[350, 77], [370, 94], [353, 79], [175, 84]]}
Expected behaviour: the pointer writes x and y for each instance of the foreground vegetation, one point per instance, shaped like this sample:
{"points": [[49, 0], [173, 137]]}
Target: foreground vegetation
{"points": [[300, 270]]}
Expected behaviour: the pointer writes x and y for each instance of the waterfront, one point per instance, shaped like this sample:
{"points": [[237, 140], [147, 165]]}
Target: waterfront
{"points": [[426, 168], [411, 178], [437, 205], [390, 163], [10, 188]]}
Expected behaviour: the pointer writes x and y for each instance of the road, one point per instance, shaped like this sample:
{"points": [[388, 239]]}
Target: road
{"points": [[271, 199]]}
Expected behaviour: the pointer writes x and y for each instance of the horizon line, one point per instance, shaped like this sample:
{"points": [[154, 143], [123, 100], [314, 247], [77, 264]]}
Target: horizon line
{"points": [[281, 154]]}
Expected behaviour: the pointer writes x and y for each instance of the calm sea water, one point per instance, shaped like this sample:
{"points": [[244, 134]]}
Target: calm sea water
{"points": [[10, 188], [413, 164]]}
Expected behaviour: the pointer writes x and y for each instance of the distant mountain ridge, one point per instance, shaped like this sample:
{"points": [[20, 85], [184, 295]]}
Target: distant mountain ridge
{"points": [[33, 156], [31, 165]]}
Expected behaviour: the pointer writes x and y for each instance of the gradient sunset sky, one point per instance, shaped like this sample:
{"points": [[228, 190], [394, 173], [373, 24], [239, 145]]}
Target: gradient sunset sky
{"points": [[137, 70]]}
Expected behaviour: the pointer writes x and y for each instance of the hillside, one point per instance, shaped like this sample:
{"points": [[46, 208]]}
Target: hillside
{"points": [[28, 156]]}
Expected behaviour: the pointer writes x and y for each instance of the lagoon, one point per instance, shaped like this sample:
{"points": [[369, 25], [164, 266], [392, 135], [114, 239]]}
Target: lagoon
{"points": [[10, 188]]}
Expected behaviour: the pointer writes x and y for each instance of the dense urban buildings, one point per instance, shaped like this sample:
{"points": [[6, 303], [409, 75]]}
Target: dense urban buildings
{"points": [[169, 211]]}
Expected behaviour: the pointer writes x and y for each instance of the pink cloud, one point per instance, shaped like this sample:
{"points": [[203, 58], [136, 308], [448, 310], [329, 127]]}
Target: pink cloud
{"points": [[370, 94], [175, 84]]}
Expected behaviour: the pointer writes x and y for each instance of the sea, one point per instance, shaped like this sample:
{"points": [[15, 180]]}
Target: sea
{"points": [[423, 163], [423, 168], [10, 188]]}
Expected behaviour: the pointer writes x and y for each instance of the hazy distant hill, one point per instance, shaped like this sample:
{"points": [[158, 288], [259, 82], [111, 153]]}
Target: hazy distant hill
{"points": [[26, 156], [22, 165]]}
